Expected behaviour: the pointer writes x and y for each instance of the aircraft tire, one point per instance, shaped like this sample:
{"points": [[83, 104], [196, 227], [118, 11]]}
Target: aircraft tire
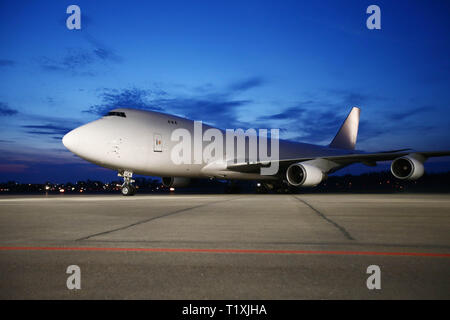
{"points": [[128, 190]]}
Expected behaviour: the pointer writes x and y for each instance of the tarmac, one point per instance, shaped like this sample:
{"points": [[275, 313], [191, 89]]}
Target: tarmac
{"points": [[242, 246]]}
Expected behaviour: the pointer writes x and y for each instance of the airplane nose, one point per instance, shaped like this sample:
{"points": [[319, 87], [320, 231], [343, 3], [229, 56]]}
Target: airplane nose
{"points": [[71, 139], [87, 141]]}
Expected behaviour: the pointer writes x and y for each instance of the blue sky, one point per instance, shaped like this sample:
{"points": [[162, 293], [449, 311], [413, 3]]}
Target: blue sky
{"points": [[294, 65]]}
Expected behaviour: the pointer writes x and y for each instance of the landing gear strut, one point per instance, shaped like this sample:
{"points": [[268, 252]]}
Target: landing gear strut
{"points": [[128, 189]]}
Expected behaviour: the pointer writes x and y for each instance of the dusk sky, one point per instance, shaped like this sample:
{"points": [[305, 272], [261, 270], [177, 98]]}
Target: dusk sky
{"points": [[295, 65]]}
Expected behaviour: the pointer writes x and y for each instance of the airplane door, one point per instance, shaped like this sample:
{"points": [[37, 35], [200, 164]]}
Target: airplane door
{"points": [[157, 142]]}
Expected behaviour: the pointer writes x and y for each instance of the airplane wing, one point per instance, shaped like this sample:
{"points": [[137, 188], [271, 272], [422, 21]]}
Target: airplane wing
{"points": [[345, 139], [367, 158]]}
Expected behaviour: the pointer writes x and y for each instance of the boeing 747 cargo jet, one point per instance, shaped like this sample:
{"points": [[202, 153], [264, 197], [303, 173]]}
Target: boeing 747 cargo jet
{"points": [[151, 143]]}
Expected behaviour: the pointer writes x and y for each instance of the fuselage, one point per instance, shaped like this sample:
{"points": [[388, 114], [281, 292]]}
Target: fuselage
{"points": [[141, 142]]}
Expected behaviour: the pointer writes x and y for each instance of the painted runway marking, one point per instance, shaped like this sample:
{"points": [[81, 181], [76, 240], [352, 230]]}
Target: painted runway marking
{"points": [[255, 251]]}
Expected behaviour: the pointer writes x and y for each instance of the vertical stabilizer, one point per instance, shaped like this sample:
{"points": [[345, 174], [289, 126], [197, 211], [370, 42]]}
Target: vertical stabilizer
{"points": [[347, 134]]}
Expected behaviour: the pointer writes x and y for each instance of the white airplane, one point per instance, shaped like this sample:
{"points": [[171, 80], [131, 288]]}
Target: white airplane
{"points": [[134, 141]]}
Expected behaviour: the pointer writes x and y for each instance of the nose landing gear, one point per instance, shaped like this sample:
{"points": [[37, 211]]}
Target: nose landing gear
{"points": [[128, 189]]}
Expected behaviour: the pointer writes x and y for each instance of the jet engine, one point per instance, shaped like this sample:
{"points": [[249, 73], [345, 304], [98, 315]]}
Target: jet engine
{"points": [[407, 168], [175, 182], [305, 175]]}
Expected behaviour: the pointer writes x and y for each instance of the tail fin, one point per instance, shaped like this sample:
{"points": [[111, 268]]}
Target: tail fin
{"points": [[346, 136]]}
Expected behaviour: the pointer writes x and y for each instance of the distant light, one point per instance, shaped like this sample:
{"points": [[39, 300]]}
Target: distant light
{"points": [[258, 184], [172, 189], [47, 187], [62, 190]]}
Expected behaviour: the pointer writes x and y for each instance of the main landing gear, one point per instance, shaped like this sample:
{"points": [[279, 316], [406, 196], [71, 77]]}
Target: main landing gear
{"points": [[128, 189]]}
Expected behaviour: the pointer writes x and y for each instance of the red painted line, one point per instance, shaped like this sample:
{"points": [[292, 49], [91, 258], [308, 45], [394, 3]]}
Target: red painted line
{"points": [[314, 252]]}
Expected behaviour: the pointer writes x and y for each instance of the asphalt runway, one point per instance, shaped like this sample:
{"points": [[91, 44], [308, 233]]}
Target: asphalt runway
{"points": [[225, 246]]}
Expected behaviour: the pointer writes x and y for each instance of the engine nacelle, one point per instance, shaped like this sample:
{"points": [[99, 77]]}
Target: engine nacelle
{"points": [[407, 168], [305, 175], [175, 182]]}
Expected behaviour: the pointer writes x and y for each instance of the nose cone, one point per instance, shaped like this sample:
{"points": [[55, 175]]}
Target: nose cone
{"points": [[71, 140], [88, 141]]}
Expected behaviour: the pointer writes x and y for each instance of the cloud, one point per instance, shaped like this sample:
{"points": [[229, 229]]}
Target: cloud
{"points": [[313, 120], [410, 113], [47, 129], [218, 108], [126, 98], [81, 61], [75, 62], [317, 118], [352, 98], [318, 127], [247, 84], [7, 63], [369, 129], [5, 110], [101, 51], [77, 59], [290, 113], [21, 153], [212, 109]]}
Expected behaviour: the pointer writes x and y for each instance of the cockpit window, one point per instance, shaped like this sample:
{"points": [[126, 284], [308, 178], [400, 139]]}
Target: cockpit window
{"points": [[115, 113]]}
